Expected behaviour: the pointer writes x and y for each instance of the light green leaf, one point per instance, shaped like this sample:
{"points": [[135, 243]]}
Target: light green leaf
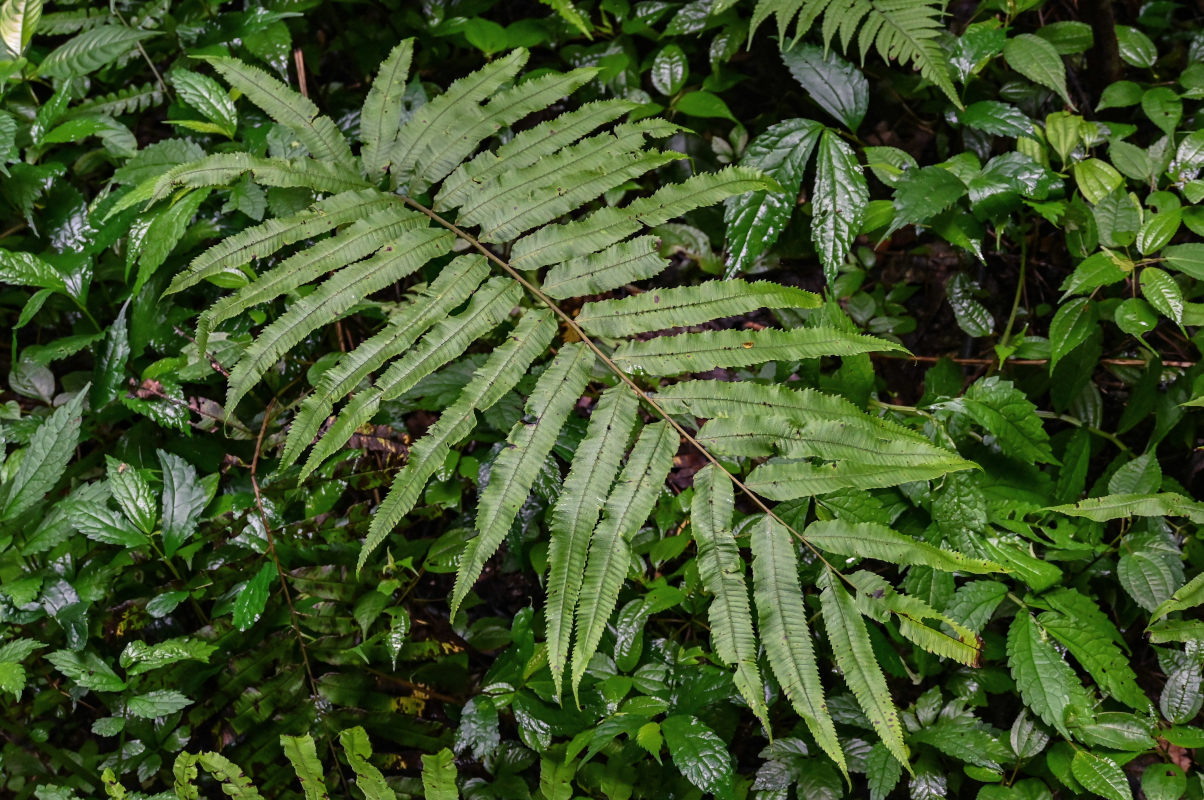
{"points": [[91, 50], [302, 753], [872, 540], [368, 779], [253, 597], [439, 776], [158, 703], [45, 459], [18, 21], [700, 755], [839, 201], [1096, 179], [1037, 60], [1117, 506], [1046, 683], [1100, 775]]}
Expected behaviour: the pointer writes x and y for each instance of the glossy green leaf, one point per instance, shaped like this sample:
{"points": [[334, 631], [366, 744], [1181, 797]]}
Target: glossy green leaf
{"points": [[1037, 60], [836, 85]]}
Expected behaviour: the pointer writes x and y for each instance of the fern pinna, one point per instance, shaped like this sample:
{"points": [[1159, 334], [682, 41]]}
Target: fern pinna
{"points": [[508, 231]]}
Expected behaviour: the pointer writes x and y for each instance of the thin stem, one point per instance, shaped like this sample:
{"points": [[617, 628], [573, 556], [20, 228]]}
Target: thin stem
{"points": [[616, 369], [288, 596], [1007, 331], [1078, 423]]}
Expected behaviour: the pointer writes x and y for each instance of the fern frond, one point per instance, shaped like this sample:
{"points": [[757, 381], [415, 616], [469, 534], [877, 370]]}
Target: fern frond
{"points": [[453, 286], [629, 504], [607, 227], [791, 480], [534, 201], [445, 341], [221, 169], [334, 298], [526, 148], [855, 656], [382, 109], [876, 598], [316, 131], [699, 352], [620, 264], [904, 30], [357, 241], [877, 541], [458, 107], [581, 499], [530, 440], [688, 305], [722, 573], [266, 238], [498, 375], [782, 620]]}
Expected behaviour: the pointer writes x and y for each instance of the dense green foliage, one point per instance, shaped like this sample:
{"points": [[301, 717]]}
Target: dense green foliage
{"points": [[739, 398]]}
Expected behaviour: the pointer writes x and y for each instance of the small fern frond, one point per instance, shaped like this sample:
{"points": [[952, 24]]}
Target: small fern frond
{"points": [[332, 299], [382, 109], [498, 375], [722, 573], [316, 131], [688, 305], [782, 620], [850, 642], [517, 466], [907, 31], [629, 504], [576, 512]]}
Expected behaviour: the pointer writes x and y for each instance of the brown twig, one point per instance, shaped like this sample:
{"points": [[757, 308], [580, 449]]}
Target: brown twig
{"points": [[225, 420], [299, 60], [213, 362]]}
